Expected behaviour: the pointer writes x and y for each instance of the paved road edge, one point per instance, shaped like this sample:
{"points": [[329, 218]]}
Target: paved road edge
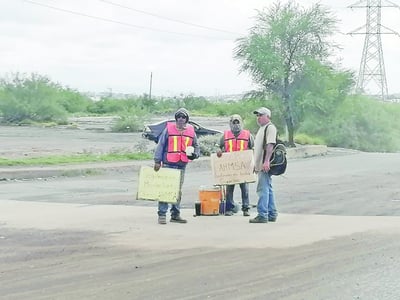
{"points": [[88, 169]]}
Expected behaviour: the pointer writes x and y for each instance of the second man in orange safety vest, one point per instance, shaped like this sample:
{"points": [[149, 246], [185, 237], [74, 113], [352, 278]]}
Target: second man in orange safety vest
{"points": [[236, 139]]}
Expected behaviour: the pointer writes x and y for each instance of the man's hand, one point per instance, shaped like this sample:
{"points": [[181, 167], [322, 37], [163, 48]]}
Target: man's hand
{"points": [[266, 166], [219, 153], [193, 156], [157, 166]]}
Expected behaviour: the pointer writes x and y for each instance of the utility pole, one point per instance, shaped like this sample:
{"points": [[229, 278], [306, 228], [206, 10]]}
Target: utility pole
{"points": [[151, 83], [372, 66]]}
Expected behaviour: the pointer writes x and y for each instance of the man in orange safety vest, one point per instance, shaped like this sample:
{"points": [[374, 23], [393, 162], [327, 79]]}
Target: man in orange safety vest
{"points": [[236, 139], [177, 145]]}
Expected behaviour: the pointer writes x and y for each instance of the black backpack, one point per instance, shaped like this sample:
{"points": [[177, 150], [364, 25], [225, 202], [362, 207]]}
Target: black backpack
{"points": [[278, 160]]}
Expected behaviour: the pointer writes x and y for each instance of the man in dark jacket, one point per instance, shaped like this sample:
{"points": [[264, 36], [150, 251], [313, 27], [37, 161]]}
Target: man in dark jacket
{"points": [[177, 145]]}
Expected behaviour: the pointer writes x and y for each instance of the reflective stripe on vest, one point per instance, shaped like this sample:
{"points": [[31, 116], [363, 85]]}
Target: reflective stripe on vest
{"points": [[178, 141], [238, 143]]}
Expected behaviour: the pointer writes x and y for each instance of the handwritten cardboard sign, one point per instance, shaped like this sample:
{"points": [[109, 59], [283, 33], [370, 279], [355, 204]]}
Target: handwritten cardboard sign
{"points": [[163, 185], [233, 167]]}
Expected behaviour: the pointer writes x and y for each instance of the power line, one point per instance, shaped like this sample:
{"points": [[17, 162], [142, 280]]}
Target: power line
{"points": [[122, 23], [167, 18]]}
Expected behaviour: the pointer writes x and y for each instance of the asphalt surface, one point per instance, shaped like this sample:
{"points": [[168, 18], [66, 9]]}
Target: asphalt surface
{"points": [[342, 182]]}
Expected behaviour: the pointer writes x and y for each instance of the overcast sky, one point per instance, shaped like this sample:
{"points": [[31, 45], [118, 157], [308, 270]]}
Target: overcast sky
{"points": [[186, 44]]}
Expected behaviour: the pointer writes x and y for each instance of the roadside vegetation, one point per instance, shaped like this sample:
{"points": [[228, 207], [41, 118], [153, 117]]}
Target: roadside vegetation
{"points": [[287, 55], [72, 159], [323, 112]]}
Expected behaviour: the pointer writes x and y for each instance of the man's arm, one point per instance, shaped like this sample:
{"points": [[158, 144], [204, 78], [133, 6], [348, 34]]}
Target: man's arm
{"points": [[251, 142], [196, 147], [270, 141], [221, 146], [160, 149], [268, 153]]}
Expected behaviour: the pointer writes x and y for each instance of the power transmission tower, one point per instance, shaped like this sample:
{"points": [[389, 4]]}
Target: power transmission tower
{"points": [[372, 66]]}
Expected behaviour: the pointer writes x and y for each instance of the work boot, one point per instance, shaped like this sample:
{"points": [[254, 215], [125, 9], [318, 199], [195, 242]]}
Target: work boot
{"points": [[177, 219], [162, 220], [259, 219]]}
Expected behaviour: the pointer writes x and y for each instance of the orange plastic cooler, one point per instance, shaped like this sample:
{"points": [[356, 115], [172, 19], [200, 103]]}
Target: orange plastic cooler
{"points": [[210, 197]]}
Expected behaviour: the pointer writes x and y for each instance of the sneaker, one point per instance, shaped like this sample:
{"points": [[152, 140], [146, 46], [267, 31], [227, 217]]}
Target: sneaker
{"points": [[229, 213], [162, 220], [271, 219], [258, 219], [246, 213], [177, 219]]}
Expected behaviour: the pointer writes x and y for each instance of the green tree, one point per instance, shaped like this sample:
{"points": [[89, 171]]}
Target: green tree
{"points": [[72, 100], [30, 98], [284, 39], [319, 92]]}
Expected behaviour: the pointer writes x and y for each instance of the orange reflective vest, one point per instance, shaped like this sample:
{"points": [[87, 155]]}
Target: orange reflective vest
{"points": [[238, 143], [178, 141]]}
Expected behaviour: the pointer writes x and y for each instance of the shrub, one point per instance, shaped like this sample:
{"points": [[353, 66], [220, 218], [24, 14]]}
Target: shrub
{"points": [[129, 123], [31, 98], [209, 144], [304, 139]]}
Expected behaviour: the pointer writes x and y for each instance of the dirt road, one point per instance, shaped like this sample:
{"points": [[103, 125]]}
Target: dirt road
{"points": [[337, 237]]}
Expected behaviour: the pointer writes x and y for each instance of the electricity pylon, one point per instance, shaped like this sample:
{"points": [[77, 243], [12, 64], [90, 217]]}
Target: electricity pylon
{"points": [[372, 66]]}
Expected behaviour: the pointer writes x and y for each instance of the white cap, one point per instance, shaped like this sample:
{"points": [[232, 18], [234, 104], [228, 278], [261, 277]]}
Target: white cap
{"points": [[262, 111]]}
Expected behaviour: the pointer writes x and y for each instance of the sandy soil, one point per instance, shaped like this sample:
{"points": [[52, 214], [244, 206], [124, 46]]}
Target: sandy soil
{"points": [[337, 235]]}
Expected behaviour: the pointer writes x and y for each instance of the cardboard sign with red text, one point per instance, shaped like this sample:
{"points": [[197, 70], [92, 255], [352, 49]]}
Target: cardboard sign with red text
{"points": [[233, 167]]}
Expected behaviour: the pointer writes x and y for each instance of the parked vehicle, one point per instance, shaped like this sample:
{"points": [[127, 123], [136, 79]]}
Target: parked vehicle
{"points": [[153, 131]]}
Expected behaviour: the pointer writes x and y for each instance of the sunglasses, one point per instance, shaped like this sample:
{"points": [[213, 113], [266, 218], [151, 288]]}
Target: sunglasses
{"points": [[180, 116]]}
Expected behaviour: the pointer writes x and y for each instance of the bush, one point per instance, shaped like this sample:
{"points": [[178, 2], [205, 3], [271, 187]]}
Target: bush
{"points": [[31, 98], [129, 123], [107, 106], [304, 139], [209, 144], [358, 123], [73, 101]]}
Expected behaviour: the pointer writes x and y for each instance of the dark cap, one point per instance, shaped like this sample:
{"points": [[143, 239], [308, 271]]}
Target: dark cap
{"points": [[182, 111]]}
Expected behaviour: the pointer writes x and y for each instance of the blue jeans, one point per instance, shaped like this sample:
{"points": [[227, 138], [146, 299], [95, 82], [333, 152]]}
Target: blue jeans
{"points": [[175, 208], [266, 201], [230, 204]]}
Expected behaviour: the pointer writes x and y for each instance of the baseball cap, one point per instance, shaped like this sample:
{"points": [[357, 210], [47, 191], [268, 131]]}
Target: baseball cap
{"points": [[236, 117], [262, 111]]}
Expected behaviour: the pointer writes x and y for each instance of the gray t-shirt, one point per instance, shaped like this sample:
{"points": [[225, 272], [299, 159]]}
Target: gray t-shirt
{"points": [[259, 144]]}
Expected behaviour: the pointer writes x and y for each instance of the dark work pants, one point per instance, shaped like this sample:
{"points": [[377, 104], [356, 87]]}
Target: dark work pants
{"points": [[230, 204]]}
